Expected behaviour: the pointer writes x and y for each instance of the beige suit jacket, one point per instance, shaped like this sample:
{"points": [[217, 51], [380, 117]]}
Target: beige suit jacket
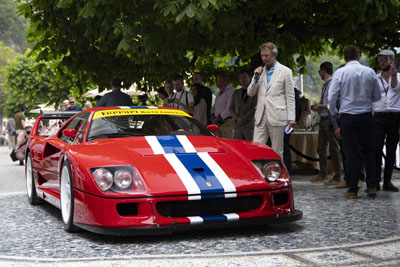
{"points": [[277, 101]]}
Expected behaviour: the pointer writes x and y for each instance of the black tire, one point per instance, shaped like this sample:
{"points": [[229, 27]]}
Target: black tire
{"points": [[67, 202], [30, 182]]}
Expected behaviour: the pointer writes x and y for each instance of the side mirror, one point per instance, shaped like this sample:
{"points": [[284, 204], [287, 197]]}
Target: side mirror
{"points": [[212, 128], [69, 133]]}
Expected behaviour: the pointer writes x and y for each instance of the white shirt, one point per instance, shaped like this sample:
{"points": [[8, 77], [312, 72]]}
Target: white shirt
{"points": [[390, 97], [222, 103], [184, 96]]}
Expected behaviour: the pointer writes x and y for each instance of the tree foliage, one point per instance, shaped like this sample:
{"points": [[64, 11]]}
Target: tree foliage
{"points": [[150, 40], [6, 54], [12, 27], [25, 84]]}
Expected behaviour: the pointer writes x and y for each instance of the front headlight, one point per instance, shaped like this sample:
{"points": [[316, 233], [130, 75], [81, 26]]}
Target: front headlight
{"points": [[270, 170], [118, 178], [122, 179], [104, 178]]}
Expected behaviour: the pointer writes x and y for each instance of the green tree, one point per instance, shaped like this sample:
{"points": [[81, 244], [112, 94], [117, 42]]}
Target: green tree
{"points": [[6, 54], [12, 27], [150, 40], [31, 83]]}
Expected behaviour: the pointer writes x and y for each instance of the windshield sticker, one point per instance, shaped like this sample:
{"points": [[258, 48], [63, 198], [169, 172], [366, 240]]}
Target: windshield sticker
{"points": [[129, 112]]}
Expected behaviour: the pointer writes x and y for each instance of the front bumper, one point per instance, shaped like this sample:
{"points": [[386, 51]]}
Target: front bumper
{"points": [[159, 230]]}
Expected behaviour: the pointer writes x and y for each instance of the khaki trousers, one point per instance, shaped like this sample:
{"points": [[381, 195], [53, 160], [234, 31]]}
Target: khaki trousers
{"points": [[264, 130]]}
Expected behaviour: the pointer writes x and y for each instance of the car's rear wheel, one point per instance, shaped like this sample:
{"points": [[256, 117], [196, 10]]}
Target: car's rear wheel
{"points": [[30, 182], [67, 198]]}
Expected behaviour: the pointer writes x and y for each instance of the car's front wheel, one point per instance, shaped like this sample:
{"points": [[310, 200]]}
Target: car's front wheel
{"points": [[30, 182], [67, 198]]}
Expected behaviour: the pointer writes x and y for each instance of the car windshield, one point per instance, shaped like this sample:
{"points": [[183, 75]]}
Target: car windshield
{"points": [[142, 125]]}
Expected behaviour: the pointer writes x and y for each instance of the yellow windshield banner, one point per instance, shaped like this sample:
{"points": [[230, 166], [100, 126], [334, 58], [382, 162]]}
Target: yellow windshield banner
{"points": [[138, 111]]}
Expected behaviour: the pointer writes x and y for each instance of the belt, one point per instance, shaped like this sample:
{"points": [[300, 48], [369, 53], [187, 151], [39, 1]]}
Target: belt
{"points": [[227, 118], [387, 114], [361, 114]]}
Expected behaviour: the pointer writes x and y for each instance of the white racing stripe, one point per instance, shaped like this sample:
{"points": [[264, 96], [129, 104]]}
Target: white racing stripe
{"points": [[195, 220], [189, 148], [155, 145], [219, 173], [232, 217], [186, 178]]}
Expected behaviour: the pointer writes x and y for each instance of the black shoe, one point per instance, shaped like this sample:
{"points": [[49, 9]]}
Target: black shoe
{"points": [[389, 187], [21, 163]]}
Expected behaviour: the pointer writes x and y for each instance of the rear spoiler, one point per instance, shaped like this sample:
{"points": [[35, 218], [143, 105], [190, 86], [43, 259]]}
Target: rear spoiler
{"points": [[59, 115]]}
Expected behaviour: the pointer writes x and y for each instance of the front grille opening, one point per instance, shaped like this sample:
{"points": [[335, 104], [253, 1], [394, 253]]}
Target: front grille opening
{"points": [[206, 207], [127, 209], [281, 198]]}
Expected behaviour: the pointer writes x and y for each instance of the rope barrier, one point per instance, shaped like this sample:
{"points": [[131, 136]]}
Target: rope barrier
{"points": [[304, 156], [315, 159]]}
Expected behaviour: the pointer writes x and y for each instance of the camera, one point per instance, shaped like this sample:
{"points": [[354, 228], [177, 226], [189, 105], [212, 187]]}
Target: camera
{"points": [[313, 106], [170, 100]]}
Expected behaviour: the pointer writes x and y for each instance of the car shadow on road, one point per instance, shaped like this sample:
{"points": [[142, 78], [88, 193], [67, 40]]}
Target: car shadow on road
{"points": [[231, 232]]}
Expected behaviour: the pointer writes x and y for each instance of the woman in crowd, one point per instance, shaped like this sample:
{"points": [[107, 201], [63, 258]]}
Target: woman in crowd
{"points": [[163, 95], [88, 105], [200, 105], [22, 141]]}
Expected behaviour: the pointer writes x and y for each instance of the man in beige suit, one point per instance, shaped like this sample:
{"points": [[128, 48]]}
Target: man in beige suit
{"points": [[273, 85]]}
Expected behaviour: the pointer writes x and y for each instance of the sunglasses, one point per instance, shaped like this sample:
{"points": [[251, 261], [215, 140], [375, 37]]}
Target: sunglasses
{"points": [[28, 132], [72, 102], [383, 59]]}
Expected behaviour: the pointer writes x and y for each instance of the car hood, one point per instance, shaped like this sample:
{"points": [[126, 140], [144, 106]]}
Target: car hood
{"points": [[180, 165]]}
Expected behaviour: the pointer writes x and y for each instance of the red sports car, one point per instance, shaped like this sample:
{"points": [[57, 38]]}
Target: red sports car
{"points": [[143, 170]]}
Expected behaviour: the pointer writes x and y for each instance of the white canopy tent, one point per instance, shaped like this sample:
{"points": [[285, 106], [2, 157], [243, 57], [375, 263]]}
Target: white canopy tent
{"points": [[43, 108], [131, 92]]}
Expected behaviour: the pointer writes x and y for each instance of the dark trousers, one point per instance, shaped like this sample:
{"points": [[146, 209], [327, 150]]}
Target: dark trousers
{"points": [[358, 136], [386, 126], [287, 157]]}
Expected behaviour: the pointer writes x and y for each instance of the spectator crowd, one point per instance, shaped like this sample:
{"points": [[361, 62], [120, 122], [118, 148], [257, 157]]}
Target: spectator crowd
{"points": [[359, 113]]}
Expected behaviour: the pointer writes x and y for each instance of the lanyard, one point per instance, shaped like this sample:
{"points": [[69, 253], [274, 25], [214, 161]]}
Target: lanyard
{"points": [[384, 89]]}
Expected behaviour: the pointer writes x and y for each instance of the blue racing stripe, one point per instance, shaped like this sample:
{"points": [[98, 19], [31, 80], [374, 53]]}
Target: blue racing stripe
{"points": [[170, 144], [202, 175], [214, 218]]}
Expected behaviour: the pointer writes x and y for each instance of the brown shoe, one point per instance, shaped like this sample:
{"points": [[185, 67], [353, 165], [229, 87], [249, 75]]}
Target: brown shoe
{"points": [[350, 195], [318, 179], [371, 192], [332, 182], [342, 184]]}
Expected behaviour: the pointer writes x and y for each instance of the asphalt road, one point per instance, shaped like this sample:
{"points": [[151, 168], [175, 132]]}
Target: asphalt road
{"points": [[12, 175]]}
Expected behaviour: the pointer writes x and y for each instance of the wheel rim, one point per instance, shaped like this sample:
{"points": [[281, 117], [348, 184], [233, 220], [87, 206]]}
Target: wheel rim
{"points": [[29, 177], [65, 188]]}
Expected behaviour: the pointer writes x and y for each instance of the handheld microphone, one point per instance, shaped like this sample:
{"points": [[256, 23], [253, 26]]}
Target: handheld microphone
{"points": [[258, 74]]}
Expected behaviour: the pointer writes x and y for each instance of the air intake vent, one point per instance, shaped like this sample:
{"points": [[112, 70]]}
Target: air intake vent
{"points": [[280, 199], [127, 209], [206, 207]]}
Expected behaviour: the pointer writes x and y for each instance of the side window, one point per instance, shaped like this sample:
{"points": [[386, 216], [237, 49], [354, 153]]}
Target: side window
{"points": [[78, 124]]}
